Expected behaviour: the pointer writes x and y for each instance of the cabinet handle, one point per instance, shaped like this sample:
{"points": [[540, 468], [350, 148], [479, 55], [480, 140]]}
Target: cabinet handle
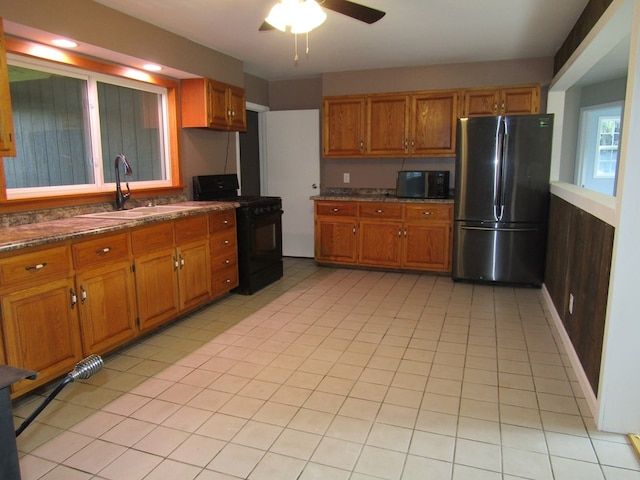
{"points": [[103, 251], [83, 295], [399, 233], [175, 263], [426, 212], [405, 233], [502, 106], [36, 267], [181, 261], [225, 222], [227, 281], [361, 145], [354, 230], [225, 242], [379, 211], [73, 298], [495, 108], [336, 209], [226, 261]]}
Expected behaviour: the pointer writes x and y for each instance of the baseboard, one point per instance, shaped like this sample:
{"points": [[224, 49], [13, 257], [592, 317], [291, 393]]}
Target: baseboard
{"points": [[583, 381]]}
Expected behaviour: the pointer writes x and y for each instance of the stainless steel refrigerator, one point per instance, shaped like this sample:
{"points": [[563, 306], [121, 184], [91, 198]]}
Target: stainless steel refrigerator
{"points": [[502, 198]]}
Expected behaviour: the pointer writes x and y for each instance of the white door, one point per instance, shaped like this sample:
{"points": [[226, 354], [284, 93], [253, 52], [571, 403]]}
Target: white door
{"points": [[293, 173]]}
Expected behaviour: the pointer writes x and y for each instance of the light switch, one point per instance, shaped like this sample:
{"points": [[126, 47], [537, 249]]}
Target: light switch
{"points": [[346, 177]]}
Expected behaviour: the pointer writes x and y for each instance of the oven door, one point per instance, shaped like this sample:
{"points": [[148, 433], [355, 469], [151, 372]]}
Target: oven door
{"points": [[263, 241]]}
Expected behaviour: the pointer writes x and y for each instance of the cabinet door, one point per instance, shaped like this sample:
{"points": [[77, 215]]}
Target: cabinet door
{"points": [[107, 307], [7, 145], [520, 100], [343, 127], [427, 246], [236, 99], [433, 123], [217, 92], [41, 331], [379, 243], [335, 240], [157, 288], [194, 274], [387, 125], [481, 102]]}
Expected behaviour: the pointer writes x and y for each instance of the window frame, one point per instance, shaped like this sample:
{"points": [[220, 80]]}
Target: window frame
{"points": [[29, 49], [600, 148]]}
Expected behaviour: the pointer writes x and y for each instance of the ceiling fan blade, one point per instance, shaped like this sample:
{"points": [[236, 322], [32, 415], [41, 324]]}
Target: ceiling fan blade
{"points": [[266, 26], [353, 10]]}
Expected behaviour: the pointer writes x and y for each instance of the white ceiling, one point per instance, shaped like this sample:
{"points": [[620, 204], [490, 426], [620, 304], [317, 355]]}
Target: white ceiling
{"points": [[413, 32]]}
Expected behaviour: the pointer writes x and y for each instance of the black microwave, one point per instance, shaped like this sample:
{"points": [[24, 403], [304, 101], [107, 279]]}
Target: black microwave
{"points": [[422, 184]]}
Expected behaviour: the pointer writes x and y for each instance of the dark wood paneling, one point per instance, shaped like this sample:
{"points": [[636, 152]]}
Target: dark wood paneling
{"points": [[578, 263], [590, 15]]}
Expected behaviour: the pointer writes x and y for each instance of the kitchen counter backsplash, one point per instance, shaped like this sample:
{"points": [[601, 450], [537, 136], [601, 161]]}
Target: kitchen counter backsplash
{"points": [[37, 216], [354, 192]]}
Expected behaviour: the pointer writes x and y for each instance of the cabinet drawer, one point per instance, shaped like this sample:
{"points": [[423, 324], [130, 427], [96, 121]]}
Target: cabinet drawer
{"points": [[101, 251], [190, 229], [225, 280], [342, 209], [223, 242], [380, 210], [152, 237], [223, 220], [224, 260], [35, 266], [429, 211]]}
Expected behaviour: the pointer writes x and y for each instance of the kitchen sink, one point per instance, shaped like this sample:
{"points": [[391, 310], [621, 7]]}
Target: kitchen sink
{"points": [[139, 212]]}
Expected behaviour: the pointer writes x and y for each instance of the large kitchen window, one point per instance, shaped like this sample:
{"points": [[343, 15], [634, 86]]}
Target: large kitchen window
{"points": [[70, 124]]}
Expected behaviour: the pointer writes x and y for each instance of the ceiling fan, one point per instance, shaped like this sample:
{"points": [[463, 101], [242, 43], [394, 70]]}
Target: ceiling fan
{"points": [[345, 7]]}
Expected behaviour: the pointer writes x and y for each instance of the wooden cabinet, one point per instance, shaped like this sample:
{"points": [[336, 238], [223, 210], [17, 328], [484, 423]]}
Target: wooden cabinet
{"points": [[397, 235], [7, 137], [380, 234], [106, 292], [172, 273], [156, 266], [211, 104], [39, 314], [192, 252], [343, 127], [390, 125], [387, 125], [520, 100], [433, 123], [224, 251], [335, 232], [427, 237]]}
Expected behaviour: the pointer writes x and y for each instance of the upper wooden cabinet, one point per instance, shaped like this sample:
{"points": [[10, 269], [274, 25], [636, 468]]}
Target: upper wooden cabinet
{"points": [[343, 126], [211, 104], [520, 100], [390, 125], [7, 142], [433, 123]]}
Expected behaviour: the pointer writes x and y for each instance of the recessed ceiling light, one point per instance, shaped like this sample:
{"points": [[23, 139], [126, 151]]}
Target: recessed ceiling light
{"points": [[64, 43], [151, 67]]}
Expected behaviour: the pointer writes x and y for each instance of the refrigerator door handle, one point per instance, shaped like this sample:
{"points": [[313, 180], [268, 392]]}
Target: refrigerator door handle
{"points": [[498, 196], [489, 229]]}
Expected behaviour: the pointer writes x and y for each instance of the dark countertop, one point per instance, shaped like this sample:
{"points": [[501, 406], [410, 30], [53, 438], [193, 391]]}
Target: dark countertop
{"points": [[379, 198], [52, 231]]}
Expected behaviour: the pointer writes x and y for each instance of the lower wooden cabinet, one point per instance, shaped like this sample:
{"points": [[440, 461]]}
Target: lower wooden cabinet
{"points": [[41, 331], [397, 235], [66, 301]]}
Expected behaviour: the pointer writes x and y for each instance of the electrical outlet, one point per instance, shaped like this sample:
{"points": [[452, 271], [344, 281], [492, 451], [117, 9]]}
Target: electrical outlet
{"points": [[571, 304], [346, 177]]}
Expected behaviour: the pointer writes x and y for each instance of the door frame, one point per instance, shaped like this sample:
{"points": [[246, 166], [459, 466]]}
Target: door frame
{"points": [[262, 147]]}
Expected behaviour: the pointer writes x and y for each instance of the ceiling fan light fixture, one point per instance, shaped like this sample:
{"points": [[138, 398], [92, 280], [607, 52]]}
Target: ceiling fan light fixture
{"points": [[296, 16]]}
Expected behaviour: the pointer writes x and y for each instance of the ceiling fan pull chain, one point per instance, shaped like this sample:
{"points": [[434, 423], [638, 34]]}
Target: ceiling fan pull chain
{"points": [[295, 43]]}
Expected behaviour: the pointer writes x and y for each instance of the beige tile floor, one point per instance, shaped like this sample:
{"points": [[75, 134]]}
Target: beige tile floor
{"points": [[334, 374]]}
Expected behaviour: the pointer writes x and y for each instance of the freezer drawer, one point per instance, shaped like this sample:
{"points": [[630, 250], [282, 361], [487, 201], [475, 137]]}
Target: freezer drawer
{"points": [[509, 254]]}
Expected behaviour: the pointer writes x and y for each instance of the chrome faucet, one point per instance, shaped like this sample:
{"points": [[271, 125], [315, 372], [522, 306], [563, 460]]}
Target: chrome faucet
{"points": [[122, 197]]}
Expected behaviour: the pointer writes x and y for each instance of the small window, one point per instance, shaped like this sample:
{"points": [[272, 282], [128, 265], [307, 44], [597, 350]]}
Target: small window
{"points": [[70, 124], [599, 139], [607, 151]]}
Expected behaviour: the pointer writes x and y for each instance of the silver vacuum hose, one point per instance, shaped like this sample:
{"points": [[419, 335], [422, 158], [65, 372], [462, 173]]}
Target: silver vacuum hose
{"points": [[83, 370]]}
